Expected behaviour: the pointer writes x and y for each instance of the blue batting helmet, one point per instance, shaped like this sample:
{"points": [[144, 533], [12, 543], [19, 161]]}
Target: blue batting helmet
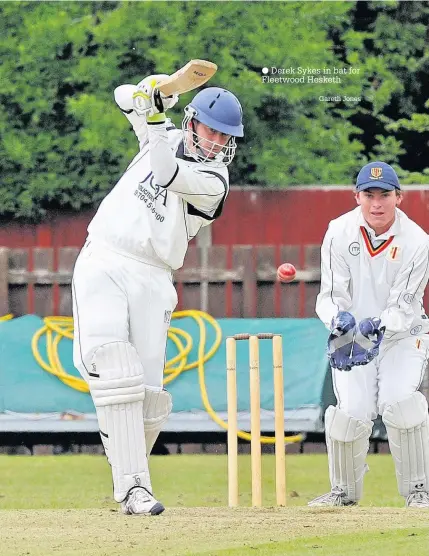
{"points": [[219, 109]]}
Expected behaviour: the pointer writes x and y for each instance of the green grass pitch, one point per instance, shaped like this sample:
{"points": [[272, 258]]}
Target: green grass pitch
{"points": [[62, 505]]}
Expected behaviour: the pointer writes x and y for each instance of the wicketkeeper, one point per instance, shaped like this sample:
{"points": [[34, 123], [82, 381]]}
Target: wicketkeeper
{"points": [[123, 292], [374, 272]]}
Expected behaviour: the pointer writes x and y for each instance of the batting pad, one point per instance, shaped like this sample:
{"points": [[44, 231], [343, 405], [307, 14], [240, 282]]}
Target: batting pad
{"points": [[407, 426], [157, 407], [347, 440], [118, 393]]}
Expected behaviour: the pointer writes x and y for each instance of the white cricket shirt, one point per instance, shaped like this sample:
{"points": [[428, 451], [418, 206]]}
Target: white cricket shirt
{"points": [[152, 222], [369, 276]]}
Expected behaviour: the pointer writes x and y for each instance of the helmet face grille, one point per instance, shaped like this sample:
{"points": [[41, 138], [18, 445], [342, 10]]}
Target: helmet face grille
{"points": [[204, 150]]}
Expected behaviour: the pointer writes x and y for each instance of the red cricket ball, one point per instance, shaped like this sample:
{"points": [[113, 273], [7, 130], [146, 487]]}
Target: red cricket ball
{"points": [[286, 272]]}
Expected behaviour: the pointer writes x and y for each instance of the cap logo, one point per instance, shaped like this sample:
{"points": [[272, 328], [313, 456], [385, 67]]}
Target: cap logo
{"points": [[376, 173]]}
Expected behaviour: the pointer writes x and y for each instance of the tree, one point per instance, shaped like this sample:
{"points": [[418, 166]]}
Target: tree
{"points": [[65, 144], [395, 57]]}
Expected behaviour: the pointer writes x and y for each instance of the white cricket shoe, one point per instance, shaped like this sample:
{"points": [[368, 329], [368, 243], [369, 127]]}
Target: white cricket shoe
{"points": [[418, 499], [337, 497], [140, 501]]}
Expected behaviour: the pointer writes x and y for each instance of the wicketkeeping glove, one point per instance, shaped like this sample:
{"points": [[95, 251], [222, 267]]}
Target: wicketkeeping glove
{"points": [[357, 346], [342, 323], [340, 341], [371, 330], [368, 338]]}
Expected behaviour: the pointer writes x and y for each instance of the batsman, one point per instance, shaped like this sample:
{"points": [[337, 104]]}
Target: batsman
{"points": [[123, 292], [374, 272]]}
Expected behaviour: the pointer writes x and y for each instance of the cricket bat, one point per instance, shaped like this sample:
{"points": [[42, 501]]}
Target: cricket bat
{"points": [[194, 74]]}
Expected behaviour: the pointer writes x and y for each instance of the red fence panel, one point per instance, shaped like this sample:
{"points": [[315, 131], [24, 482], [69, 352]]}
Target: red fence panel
{"points": [[259, 229], [252, 216], [247, 288]]}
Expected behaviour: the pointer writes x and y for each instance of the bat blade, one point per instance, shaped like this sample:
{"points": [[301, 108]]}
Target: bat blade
{"points": [[194, 74]]}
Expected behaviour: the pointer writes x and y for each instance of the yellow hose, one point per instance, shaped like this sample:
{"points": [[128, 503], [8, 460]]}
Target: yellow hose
{"points": [[6, 317], [57, 328]]}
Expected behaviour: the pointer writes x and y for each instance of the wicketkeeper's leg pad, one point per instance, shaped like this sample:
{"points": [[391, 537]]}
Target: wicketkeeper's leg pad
{"points": [[157, 407], [118, 391], [347, 440], [407, 426]]}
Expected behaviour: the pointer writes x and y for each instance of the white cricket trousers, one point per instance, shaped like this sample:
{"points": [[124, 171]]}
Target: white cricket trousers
{"points": [[397, 372], [116, 298]]}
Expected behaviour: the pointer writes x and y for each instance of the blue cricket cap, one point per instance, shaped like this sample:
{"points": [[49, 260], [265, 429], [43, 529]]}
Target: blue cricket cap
{"points": [[377, 174]]}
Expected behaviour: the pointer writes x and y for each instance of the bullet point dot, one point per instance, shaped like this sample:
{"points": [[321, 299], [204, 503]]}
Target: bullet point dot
{"points": [[265, 70]]}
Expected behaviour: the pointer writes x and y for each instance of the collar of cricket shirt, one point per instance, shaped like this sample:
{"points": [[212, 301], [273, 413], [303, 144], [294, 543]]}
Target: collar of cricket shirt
{"points": [[377, 244]]}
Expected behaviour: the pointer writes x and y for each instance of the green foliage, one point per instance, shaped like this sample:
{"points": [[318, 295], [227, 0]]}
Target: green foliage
{"points": [[397, 55], [388, 149], [65, 143]]}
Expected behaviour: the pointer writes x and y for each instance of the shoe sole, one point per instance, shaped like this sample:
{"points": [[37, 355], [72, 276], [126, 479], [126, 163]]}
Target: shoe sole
{"points": [[331, 505], [157, 509]]}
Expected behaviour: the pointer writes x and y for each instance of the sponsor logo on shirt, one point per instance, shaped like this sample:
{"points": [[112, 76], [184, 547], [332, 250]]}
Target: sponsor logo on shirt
{"points": [[152, 195], [416, 330], [354, 248]]}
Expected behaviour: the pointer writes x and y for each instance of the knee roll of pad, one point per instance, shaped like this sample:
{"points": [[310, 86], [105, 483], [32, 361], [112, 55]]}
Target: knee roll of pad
{"points": [[407, 426], [120, 377], [347, 440]]}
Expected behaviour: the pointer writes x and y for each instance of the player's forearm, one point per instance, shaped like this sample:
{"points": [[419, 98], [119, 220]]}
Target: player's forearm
{"points": [[124, 96], [327, 307], [396, 321], [204, 189], [334, 293], [124, 99], [406, 293], [399, 315]]}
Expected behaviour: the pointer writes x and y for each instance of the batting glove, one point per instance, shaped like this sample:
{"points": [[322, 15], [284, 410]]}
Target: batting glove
{"points": [[149, 101]]}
